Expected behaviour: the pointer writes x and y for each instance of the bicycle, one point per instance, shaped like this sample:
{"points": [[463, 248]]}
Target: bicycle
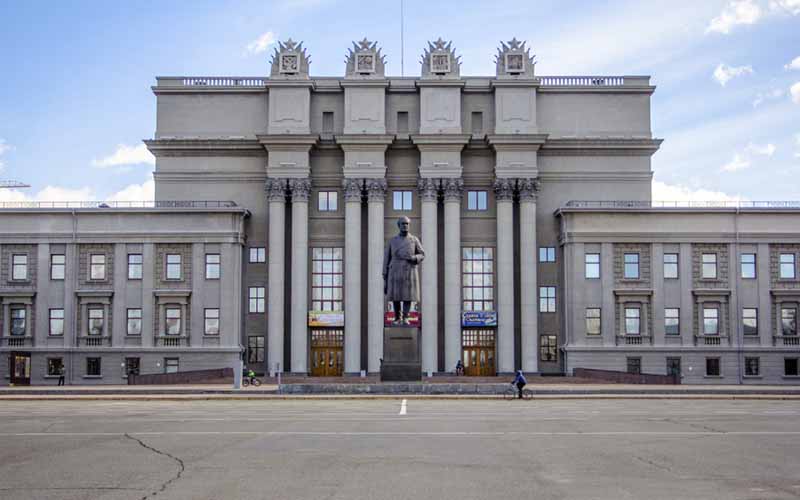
{"points": [[250, 381], [512, 393]]}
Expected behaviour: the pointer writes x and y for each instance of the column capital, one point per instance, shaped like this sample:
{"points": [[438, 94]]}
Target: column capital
{"points": [[428, 188], [353, 188], [276, 189], [453, 188], [300, 188], [376, 189], [504, 189], [528, 189]]}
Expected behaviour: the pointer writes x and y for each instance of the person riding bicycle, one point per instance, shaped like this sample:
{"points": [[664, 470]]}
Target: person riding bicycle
{"points": [[460, 367], [520, 382], [249, 375]]}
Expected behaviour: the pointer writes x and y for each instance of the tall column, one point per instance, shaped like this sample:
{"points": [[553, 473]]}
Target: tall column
{"points": [[276, 196], [504, 194], [352, 274], [452, 271], [376, 195], [429, 303], [527, 274], [300, 189]]}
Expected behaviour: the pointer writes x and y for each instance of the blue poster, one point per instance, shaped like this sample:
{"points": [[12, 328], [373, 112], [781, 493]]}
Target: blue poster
{"points": [[479, 318]]}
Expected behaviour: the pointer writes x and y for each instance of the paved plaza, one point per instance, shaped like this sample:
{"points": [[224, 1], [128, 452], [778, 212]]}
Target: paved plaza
{"points": [[393, 449]]}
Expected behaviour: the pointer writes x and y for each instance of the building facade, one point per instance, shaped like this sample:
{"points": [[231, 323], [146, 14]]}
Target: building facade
{"points": [[318, 169]]}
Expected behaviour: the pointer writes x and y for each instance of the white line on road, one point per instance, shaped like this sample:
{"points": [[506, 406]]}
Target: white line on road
{"points": [[403, 407], [401, 433]]}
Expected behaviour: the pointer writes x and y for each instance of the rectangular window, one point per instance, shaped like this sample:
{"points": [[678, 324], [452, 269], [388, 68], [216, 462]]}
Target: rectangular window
{"points": [[134, 325], [328, 201], [478, 279], [134, 266], [96, 320], [710, 321], [212, 322], [547, 254], [56, 322], [173, 266], [633, 321], [19, 267], [401, 200], [709, 266], [748, 263], [173, 321], [476, 200], [477, 122], [18, 324], [402, 122], [58, 264], [592, 265], [672, 321], [592, 321], [789, 321], [255, 350], [790, 367], [631, 266], [327, 122], [171, 365], [787, 266], [634, 365], [751, 368], [131, 366], [547, 299], [326, 279], [712, 367], [671, 266], [212, 266], [93, 367], [258, 255], [55, 366], [750, 321], [97, 266], [256, 299], [548, 349], [674, 366]]}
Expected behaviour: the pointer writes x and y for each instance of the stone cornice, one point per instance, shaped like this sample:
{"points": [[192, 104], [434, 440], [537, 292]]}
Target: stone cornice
{"points": [[513, 82], [16, 293], [376, 83], [204, 147], [270, 83], [597, 146], [516, 142], [362, 142], [438, 142], [620, 89], [441, 83], [288, 142]]}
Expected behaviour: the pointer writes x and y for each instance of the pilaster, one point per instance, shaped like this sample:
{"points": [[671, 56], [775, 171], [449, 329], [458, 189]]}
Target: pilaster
{"points": [[528, 191], [300, 189], [353, 192], [504, 195], [453, 189], [276, 198], [376, 303], [429, 300]]}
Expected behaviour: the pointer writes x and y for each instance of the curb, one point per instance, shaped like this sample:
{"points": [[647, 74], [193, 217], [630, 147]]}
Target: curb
{"points": [[394, 397]]}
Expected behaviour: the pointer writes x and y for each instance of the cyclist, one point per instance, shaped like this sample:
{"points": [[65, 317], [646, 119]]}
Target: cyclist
{"points": [[520, 382]]}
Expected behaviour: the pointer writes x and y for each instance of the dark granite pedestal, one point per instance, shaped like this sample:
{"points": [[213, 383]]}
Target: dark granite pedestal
{"points": [[402, 359]]}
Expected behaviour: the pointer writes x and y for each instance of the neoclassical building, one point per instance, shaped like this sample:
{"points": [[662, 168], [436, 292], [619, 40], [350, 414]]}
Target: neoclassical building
{"points": [[275, 196]]}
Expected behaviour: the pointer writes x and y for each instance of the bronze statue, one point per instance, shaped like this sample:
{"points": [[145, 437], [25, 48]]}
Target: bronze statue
{"points": [[400, 271]]}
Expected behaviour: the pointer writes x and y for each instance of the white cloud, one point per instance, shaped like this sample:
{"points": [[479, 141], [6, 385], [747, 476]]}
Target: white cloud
{"points": [[4, 147], [126, 155], [790, 6], [770, 95], [136, 192], [795, 64], [669, 192], [795, 91], [766, 150], [724, 73], [261, 43], [735, 13], [739, 162]]}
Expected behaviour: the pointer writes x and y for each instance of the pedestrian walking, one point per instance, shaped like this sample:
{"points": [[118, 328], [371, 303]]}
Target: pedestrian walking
{"points": [[61, 376]]}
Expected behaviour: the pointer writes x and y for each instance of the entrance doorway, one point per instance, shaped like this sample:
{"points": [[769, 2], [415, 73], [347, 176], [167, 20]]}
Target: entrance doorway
{"points": [[20, 365], [327, 352], [674, 367], [478, 350]]}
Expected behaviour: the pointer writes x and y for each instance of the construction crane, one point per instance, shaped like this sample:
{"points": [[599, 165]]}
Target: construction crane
{"points": [[13, 184]]}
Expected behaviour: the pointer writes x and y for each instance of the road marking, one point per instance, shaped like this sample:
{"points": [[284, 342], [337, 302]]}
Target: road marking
{"points": [[408, 433], [403, 407]]}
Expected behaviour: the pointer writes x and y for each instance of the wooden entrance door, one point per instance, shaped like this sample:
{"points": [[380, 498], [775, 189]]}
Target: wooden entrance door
{"points": [[20, 365], [327, 352], [478, 351]]}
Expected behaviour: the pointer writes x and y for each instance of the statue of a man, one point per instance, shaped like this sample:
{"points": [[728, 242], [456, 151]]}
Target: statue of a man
{"points": [[400, 276]]}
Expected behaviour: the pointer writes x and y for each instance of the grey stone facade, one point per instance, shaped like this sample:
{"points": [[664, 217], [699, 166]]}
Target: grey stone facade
{"points": [[525, 144]]}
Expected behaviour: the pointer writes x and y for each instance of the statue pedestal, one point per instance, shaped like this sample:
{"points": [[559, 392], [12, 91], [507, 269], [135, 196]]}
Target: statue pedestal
{"points": [[402, 359]]}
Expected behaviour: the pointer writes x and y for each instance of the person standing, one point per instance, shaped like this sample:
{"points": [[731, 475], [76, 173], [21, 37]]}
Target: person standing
{"points": [[61, 376]]}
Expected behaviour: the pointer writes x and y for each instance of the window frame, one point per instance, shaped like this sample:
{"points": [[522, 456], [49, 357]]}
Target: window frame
{"points": [[51, 368], [91, 320], [710, 362], [327, 269], [590, 331], [404, 196], [260, 255], [745, 318], [167, 319], [478, 201], [743, 263], [255, 349], [631, 318], [92, 362], [210, 266], [172, 362], [132, 266], [210, 318], [170, 266], [549, 255], [547, 300], [56, 265], [748, 365], [129, 368], [625, 263], [548, 343], [129, 319], [704, 262], [670, 265], [633, 365], [50, 321], [23, 266], [15, 320], [258, 297], [478, 284], [792, 328], [676, 317], [786, 364], [791, 261], [328, 201], [587, 265], [97, 270], [715, 318]]}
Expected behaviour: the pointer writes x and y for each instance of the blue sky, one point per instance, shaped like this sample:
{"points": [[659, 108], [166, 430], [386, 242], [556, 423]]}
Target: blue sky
{"points": [[75, 98]]}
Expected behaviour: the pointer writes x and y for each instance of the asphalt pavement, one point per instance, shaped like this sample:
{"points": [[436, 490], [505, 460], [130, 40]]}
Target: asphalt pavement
{"points": [[400, 449]]}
